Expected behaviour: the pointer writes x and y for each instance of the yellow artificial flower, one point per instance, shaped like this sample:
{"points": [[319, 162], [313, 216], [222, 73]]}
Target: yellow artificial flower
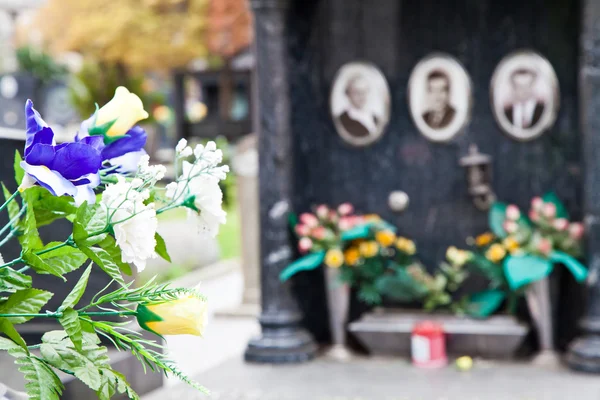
{"points": [[183, 316], [484, 239], [458, 257], [334, 258], [125, 109], [369, 249], [385, 238], [511, 244], [495, 253], [406, 245], [351, 256]]}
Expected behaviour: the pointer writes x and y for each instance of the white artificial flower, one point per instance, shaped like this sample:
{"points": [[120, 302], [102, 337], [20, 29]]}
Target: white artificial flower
{"points": [[207, 197], [186, 152], [1, 259], [133, 222], [182, 144], [150, 173], [198, 150]]}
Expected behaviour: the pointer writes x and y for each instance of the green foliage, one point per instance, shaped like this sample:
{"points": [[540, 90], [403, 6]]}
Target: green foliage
{"points": [[523, 269], [110, 246], [105, 261], [161, 247], [19, 172], [75, 295], [306, 263], [578, 270], [30, 239], [497, 215], [70, 321], [11, 280], [27, 301], [485, 303], [39, 64], [62, 258], [40, 266]]}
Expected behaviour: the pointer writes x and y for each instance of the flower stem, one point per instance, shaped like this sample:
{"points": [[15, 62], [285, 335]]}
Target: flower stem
{"points": [[167, 208], [59, 314], [11, 198], [39, 253]]}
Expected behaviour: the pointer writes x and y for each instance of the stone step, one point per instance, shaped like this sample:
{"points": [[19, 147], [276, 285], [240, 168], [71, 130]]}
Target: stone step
{"points": [[387, 332]]}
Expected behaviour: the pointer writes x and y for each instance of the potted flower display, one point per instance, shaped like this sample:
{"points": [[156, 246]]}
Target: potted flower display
{"points": [[519, 254], [103, 184]]}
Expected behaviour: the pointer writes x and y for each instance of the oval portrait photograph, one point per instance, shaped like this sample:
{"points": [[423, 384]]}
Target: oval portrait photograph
{"points": [[525, 95], [439, 97], [360, 103]]}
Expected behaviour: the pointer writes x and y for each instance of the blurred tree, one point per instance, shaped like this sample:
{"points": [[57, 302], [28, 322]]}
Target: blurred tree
{"points": [[39, 64], [133, 34]]}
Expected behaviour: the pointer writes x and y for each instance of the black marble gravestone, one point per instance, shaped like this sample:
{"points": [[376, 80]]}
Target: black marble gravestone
{"points": [[297, 132]]}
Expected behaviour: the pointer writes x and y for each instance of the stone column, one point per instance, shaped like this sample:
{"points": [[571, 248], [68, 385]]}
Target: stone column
{"points": [[584, 352], [283, 340]]}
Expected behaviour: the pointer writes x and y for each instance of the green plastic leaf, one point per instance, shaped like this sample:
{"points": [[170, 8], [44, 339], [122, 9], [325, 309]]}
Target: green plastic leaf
{"points": [[19, 172], [561, 210], [89, 219], [293, 220], [104, 260], [64, 259], [70, 321], [67, 357], [358, 232], [578, 270], [47, 207], [306, 263], [40, 266], [28, 301], [111, 247], [113, 382], [484, 304], [161, 247], [12, 207], [9, 330], [525, 269], [11, 280], [42, 382], [496, 217], [75, 295], [30, 239]]}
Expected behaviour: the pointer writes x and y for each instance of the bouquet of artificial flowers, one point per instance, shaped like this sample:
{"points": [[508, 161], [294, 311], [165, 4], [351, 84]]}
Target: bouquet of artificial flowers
{"points": [[103, 184]]}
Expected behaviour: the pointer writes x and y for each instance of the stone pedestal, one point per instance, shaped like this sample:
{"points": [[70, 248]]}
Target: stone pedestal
{"points": [[387, 332], [283, 340], [584, 352]]}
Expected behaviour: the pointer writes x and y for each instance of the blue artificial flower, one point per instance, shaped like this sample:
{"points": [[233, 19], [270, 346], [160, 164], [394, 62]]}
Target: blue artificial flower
{"points": [[123, 153], [64, 169]]}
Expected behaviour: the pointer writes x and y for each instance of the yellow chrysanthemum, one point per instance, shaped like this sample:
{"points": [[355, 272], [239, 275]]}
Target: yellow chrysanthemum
{"points": [[351, 256], [334, 258], [406, 245], [457, 257], [511, 244], [183, 316], [369, 249], [385, 238], [484, 239], [495, 253]]}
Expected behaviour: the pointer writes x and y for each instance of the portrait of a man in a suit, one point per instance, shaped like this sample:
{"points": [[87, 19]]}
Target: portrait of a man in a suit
{"points": [[440, 112], [525, 110], [357, 119]]}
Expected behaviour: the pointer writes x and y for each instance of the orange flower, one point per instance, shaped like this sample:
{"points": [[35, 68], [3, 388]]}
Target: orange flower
{"points": [[385, 238], [351, 256], [484, 239]]}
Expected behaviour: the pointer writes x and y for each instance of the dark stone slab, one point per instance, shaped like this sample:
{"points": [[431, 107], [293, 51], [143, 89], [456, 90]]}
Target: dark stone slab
{"points": [[388, 333], [322, 35]]}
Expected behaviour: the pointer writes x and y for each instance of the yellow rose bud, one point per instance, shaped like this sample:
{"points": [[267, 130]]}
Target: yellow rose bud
{"points": [[351, 256], [511, 244], [124, 110], [484, 239], [369, 249], [385, 238], [495, 253], [184, 316], [334, 258]]}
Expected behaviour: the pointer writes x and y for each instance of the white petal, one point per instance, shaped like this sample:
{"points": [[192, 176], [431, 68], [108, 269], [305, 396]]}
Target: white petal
{"points": [[84, 193], [128, 162], [51, 180]]}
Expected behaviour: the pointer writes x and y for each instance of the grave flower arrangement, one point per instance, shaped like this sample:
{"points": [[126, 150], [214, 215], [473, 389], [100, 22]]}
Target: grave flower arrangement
{"points": [[103, 184], [522, 249]]}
